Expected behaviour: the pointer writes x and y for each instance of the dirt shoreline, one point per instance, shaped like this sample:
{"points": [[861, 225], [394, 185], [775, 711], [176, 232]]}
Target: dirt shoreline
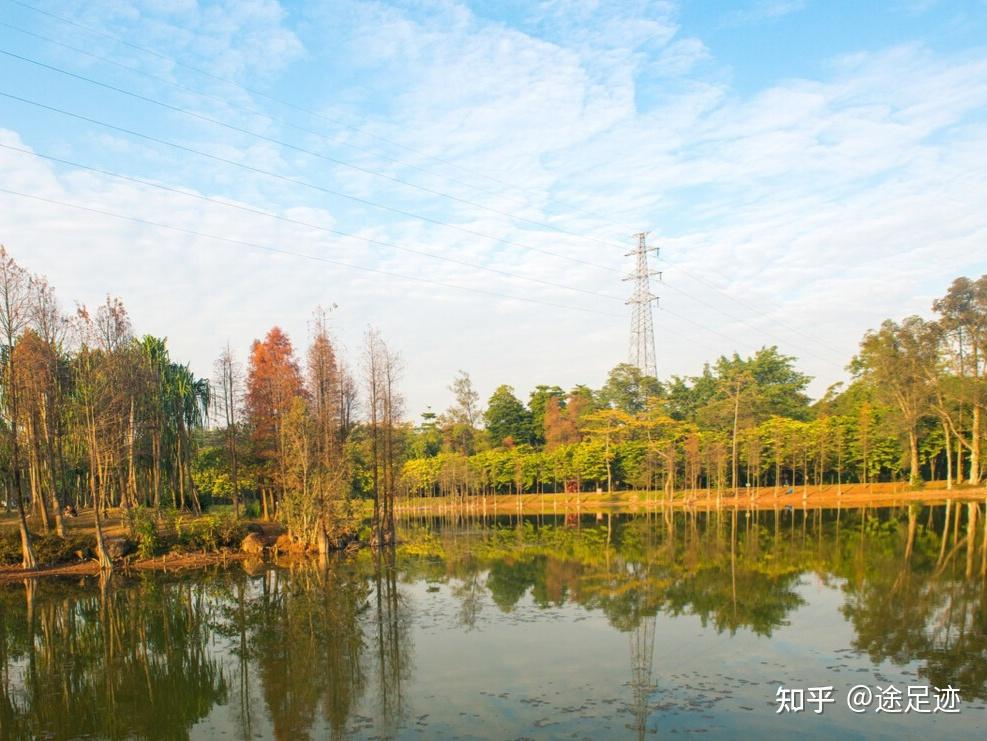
{"points": [[167, 563], [588, 503], [881, 495]]}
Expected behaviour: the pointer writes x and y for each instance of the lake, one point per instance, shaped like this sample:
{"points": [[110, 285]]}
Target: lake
{"points": [[536, 627]]}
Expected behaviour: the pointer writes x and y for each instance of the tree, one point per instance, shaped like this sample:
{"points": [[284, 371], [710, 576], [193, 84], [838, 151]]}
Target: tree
{"points": [[14, 312], [428, 442], [324, 383], [538, 402], [733, 404], [895, 361], [227, 403], [381, 369], [963, 317], [99, 369], [465, 413], [607, 428], [628, 389], [36, 387], [507, 419], [273, 381]]}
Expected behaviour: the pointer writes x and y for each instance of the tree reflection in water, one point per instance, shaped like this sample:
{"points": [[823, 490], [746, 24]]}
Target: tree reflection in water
{"points": [[107, 661], [327, 650]]}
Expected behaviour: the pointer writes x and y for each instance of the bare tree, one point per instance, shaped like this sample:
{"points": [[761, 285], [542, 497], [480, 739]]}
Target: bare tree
{"points": [[228, 406], [381, 372], [15, 295], [51, 326], [324, 392]]}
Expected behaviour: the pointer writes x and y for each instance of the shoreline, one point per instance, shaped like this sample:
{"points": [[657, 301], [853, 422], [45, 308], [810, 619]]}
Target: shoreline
{"points": [[166, 563], [853, 495]]}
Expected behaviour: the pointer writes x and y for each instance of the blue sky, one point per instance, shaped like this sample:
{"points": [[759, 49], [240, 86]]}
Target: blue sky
{"points": [[809, 168]]}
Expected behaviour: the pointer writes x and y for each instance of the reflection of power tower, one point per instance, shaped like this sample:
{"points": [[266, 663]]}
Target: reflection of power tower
{"points": [[642, 325], [642, 662]]}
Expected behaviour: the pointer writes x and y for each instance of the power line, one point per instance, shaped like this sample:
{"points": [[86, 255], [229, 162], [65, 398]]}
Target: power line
{"points": [[318, 258], [299, 222], [339, 263], [268, 96], [686, 319], [296, 181], [303, 150], [247, 109], [727, 337], [339, 123], [305, 184], [358, 129], [736, 318]]}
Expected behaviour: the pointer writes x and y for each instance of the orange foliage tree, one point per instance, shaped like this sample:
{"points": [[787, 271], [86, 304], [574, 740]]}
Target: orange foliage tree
{"points": [[273, 382]]}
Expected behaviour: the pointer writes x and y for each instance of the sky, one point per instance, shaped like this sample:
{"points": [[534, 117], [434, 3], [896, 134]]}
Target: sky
{"points": [[468, 177]]}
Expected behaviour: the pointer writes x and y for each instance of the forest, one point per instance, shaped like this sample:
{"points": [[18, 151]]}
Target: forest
{"points": [[95, 415]]}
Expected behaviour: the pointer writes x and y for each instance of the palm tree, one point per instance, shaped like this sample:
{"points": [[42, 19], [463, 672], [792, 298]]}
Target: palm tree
{"points": [[187, 404]]}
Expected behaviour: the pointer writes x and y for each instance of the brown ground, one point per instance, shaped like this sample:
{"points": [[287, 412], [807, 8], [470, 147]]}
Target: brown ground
{"points": [[165, 563], [847, 495], [114, 526]]}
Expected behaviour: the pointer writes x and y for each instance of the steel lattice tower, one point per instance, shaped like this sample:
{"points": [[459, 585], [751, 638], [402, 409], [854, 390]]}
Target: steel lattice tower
{"points": [[642, 666], [642, 347]]}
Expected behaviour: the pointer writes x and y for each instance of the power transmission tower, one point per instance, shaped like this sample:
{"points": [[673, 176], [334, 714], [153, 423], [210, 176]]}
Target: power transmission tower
{"points": [[642, 666], [642, 324]]}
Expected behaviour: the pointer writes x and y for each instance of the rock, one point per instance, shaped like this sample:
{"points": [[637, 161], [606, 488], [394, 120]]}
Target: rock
{"points": [[254, 566], [252, 544], [118, 547], [286, 544]]}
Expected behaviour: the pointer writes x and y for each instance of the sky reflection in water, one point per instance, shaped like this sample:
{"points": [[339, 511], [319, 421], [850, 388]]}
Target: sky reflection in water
{"points": [[639, 627]]}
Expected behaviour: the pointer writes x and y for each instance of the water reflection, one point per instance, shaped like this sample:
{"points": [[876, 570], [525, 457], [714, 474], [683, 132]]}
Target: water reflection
{"points": [[106, 662], [328, 650]]}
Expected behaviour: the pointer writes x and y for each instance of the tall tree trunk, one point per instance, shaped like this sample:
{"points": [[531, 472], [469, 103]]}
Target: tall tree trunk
{"points": [[131, 468], [914, 475], [733, 452], [156, 467], [105, 562], [231, 434], [27, 548], [53, 478], [975, 446], [949, 454]]}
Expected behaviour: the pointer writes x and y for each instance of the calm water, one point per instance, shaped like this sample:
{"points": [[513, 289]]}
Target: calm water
{"points": [[635, 628]]}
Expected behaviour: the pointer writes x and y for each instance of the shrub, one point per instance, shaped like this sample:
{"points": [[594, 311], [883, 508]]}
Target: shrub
{"points": [[211, 532], [48, 549], [146, 533], [10, 548]]}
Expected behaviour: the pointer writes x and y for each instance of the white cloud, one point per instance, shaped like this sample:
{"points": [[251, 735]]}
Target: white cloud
{"points": [[822, 205], [761, 11]]}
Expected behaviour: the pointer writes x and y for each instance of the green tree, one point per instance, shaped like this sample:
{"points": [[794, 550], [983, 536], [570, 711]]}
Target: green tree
{"points": [[537, 403], [963, 317], [895, 361], [506, 418], [628, 389]]}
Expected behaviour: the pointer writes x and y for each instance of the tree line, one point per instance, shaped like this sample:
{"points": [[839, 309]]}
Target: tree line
{"points": [[913, 409], [95, 415]]}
